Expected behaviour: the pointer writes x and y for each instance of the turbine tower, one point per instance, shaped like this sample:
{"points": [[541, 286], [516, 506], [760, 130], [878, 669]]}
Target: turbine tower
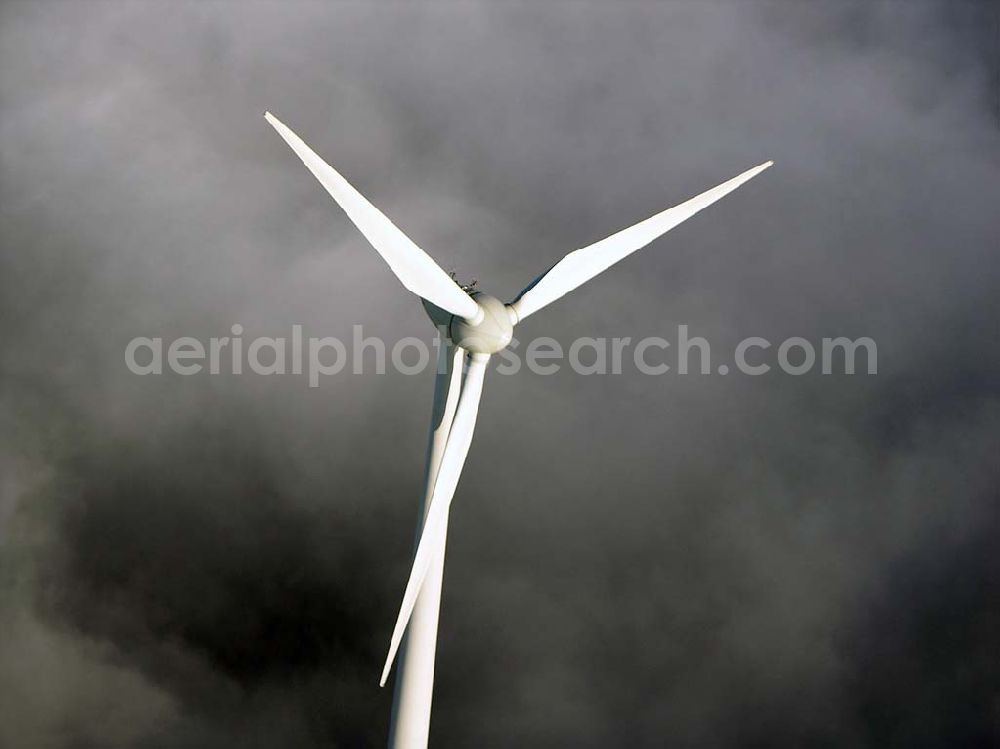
{"points": [[477, 326]]}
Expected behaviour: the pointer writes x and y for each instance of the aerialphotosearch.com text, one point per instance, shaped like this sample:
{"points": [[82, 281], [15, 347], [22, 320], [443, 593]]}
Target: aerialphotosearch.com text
{"points": [[318, 357]]}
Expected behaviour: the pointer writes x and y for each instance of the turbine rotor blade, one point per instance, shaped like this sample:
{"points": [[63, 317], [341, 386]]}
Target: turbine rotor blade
{"points": [[583, 264], [413, 267], [436, 518]]}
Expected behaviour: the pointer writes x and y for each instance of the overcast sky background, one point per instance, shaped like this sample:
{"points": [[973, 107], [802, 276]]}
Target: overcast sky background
{"points": [[633, 561]]}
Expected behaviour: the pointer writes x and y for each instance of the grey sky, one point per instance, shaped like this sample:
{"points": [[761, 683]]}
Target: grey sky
{"points": [[701, 561]]}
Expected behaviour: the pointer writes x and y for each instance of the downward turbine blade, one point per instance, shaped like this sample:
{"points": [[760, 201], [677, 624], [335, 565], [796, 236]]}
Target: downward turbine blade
{"points": [[414, 267], [582, 265], [435, 521]]}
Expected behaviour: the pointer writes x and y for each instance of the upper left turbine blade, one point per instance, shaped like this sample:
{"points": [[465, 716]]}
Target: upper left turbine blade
{"points": [[413, 267]]}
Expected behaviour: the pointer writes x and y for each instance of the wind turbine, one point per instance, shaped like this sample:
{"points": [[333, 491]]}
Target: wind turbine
{"points": [[478, 326]]}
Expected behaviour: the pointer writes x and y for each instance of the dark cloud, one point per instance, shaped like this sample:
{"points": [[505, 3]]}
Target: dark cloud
{"points": [[692, 561]]}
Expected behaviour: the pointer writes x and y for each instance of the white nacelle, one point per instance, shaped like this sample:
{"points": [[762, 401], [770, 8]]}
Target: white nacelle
{"points": [[491, 334]]}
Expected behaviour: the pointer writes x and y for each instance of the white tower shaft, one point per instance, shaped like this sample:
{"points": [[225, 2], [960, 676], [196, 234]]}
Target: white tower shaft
{"points": [[411, 710]]}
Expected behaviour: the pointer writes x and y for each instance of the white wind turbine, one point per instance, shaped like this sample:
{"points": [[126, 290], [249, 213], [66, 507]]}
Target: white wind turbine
{"points": [[478, 325]]}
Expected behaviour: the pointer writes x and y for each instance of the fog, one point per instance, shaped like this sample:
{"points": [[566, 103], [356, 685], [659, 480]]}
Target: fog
{"points": [[215, 561]]}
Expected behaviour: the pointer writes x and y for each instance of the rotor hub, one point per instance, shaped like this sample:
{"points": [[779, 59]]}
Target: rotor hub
{"points": [[491, 334]]}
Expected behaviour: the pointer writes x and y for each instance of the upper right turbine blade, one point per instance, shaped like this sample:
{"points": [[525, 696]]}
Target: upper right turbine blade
{"points": [[582, 265]]}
